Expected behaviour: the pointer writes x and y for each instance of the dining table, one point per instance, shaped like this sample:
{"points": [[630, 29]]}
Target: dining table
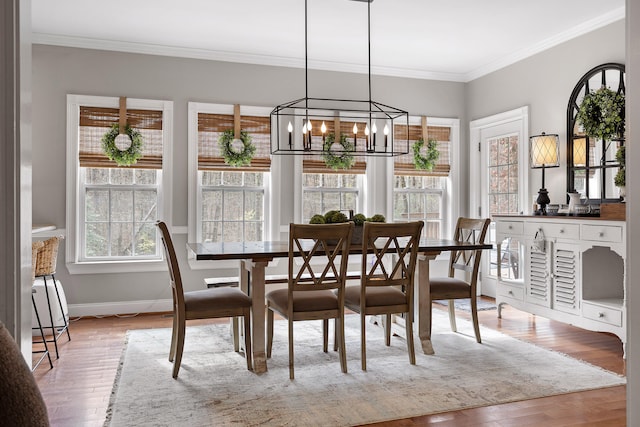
{"points": [[255, 256]]}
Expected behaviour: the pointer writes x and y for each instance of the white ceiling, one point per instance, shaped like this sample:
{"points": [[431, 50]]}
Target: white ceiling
{"points": [[456, 40]]}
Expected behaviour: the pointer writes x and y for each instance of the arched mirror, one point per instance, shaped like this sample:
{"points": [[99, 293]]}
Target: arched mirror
{"points": [[591, 154]]}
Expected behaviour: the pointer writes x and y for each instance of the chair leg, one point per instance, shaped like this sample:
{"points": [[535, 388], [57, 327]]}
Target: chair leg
{"points": [[174, 334], [290, 348], [387, 330], [452, 316], [54, 334], [409, 332], [269, 331], [325, 334], [45, 352], [64, 315], [474, 316], [343, 350], [179, 347], [247, 338], [235, 333], [335, 336], [363, 339]]}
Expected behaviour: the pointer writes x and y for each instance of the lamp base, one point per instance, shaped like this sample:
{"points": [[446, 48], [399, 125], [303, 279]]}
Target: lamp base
{"points": [[542, 201]]}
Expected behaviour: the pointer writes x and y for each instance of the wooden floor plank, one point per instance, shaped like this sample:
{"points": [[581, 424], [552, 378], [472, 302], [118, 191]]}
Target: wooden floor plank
{"points": [[78, 388]]}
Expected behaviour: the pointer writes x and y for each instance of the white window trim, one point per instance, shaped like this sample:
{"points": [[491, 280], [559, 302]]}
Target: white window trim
{"points": [[451, 194], [194, 196], [72, 246]]}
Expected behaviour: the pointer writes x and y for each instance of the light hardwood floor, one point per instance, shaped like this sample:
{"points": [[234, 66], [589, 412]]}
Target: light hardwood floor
{"points": [[77, 389]]}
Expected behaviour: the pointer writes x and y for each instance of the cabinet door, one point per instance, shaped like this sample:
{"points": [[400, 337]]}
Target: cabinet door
{"points": [[566, 270], [538, 283]]}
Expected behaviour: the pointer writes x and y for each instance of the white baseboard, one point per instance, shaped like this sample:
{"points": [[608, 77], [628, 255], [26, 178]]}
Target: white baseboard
{"points": [[126, 307]]}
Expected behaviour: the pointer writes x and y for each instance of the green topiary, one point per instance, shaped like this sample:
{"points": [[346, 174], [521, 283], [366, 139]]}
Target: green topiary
{"points": [[378, 218], [328, 216], [338, 218], [359, 219], [317, 219]]}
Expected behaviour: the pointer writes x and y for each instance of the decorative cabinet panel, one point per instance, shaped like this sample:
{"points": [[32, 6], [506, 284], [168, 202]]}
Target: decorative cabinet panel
{"points": [[574, 270]]}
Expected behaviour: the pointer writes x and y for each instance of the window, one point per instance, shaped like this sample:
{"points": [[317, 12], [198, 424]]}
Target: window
{"points": [[112, 210], [229, 203], [326, 189], [420, 194]]}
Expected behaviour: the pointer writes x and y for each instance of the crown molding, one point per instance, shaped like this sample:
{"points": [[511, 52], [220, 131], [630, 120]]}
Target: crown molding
{"points": [[278, 61], [571, 33]]}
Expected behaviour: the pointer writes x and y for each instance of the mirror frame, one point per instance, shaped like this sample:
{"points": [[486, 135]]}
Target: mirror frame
{"points": [[581, 89]]}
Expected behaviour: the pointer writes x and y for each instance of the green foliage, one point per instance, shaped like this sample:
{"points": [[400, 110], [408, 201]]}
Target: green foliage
{"points": [[428, 161], [620, 179], [232, 157], [601, 114], [342, 161], [328, 216], [378, 218], [317, 219], [126, 157], [338, 218], [359, 219]]}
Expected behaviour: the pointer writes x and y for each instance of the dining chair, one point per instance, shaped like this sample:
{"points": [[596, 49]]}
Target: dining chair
{"points": [[323, 251], [208, 303], [467, 263], [387, 278]]}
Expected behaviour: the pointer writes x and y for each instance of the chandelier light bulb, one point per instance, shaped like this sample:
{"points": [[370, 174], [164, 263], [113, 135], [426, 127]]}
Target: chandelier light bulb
{"points": [[323, 128], [386, 130], [374, 128], [355, 128], [290, 127], [366, 130]]}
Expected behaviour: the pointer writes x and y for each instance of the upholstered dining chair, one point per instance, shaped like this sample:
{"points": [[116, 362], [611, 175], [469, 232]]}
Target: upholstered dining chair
{"points": [[387, 281], [467, 263], [309, 295], [208, 303]]}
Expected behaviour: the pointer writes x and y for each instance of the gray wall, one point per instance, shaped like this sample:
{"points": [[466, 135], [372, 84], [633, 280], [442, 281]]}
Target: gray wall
{"points": [[60, 71], [544, 82]]}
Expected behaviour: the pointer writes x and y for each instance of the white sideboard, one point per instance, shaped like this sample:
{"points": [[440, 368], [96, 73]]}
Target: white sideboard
{"points": [[574, 272]]}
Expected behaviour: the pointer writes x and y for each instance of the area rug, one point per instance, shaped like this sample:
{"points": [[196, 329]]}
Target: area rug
{"points": [[464, 304], [214, 387]]}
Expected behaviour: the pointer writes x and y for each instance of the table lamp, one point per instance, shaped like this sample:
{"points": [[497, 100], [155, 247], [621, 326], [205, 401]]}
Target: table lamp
{"points": [[544, 151]]}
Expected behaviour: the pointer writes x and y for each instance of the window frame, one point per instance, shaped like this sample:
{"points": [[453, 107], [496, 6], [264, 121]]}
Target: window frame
{"points": [[75, 262], [451, 191], [194, 228]]}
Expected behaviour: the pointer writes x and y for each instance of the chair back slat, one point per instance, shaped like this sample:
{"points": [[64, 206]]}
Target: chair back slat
{"points": [[471, 230], [323, 250], [398, 241]]}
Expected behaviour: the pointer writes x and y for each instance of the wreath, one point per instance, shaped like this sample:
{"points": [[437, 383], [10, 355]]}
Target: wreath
{"points": [[334, 161], [126, 157], [601, 113], [429, 161], [233, 157]]}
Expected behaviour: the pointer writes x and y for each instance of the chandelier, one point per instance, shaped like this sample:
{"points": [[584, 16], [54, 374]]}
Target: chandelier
{"points": [[373, 122]]}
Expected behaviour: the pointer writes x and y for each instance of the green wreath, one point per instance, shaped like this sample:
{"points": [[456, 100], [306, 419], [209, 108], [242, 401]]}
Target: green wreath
{"points": [[429, 161], [233, 157], [126, 157], [601, 113], [342, 161]]}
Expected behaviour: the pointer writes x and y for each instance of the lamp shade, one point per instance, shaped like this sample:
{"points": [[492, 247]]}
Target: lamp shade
{"points": [[580, 152], [544, 151]]}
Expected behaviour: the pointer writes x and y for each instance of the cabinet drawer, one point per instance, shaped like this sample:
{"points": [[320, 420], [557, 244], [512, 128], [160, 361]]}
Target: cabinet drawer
{"points": [[511, 291], [602, 314], [553, 230], [509, 227], [602, 233]]}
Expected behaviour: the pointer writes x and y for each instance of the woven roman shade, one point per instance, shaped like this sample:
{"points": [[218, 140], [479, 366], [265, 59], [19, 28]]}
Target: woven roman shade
{"points": [[314, 163], [211, 126], [96, 121], [403, 164]]}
